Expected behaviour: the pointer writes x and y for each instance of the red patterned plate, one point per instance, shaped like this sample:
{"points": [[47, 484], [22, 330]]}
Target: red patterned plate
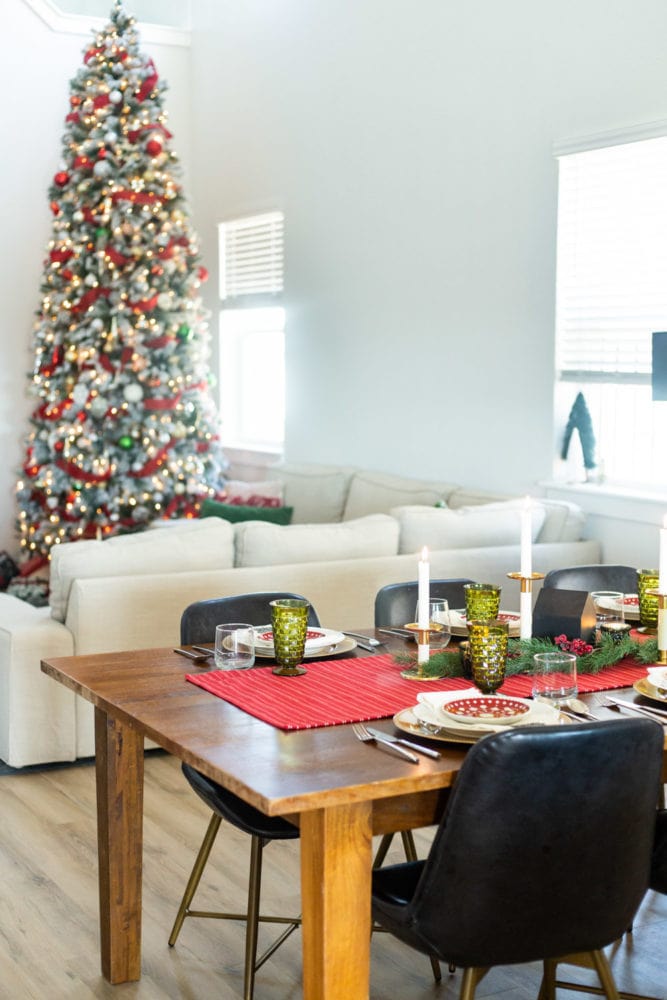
{"points": [[310, 634], [486, 708]]}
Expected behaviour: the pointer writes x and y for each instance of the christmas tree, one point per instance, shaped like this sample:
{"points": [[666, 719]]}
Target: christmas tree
{"points": [[124, 430]]}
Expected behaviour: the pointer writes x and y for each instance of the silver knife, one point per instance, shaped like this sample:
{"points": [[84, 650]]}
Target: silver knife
{"points": [[366, 638], [378, 734], [650, 713], [197, 657]]}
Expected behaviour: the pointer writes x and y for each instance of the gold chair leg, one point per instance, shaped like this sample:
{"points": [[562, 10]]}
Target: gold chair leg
{"points": [[195, 876], [409, 845], [605, 975], [471, 979], [383, 850], [548, 987], [254, 886]]}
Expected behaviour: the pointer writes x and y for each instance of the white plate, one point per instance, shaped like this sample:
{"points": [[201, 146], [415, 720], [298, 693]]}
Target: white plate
{"points": [[346, 645], [430, 703], [457, 618], [316, 638], [408, 719]]}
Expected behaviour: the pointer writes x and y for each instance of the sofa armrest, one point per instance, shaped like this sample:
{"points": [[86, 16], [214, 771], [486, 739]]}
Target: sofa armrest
{"points": [[36, 713]]}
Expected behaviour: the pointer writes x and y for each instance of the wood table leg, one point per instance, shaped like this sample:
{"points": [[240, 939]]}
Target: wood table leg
{"points": [[120, 785], [336, 861]]}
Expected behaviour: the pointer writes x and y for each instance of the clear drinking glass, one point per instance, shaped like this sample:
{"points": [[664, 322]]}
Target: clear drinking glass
{"points": [[440, 630], [555, 677], [234, 646], [609, 610]]}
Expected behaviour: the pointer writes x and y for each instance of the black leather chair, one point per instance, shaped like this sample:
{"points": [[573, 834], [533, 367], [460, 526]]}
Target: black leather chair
{"points": [[596, 577], [198, 624], [544, 851], [658, 879], [395, 604]]}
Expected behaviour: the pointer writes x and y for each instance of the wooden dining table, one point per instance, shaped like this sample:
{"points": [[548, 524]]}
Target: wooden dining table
{"points": [[339, 791]]}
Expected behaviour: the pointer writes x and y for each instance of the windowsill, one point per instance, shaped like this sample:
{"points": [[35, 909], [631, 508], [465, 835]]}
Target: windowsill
{"points": [[607, 500]]}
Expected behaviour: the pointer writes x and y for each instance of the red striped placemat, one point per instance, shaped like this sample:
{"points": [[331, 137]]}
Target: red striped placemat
{"points": [[356, 690]]}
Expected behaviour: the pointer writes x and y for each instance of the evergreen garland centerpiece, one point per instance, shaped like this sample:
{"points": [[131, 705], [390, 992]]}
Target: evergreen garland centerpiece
{"points": [[590, 659], [125, 428]]}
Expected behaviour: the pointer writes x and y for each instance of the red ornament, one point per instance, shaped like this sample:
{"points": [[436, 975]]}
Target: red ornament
{"points": [[67, 274], [75, 100], [203, 274], [102, 153], [58, 446], [80, 161], [156, 269], [153, 147], [55, 208], [61, 178]]}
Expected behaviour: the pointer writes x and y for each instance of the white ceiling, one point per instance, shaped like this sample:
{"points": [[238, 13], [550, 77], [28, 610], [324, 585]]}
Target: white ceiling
{"points": [[175, 13]]}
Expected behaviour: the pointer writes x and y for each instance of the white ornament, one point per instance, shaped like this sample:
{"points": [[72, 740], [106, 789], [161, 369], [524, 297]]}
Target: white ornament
{"points": [[102, 168], [179, 488], [115, 97], [99, 406], [52, 502], [133, 392], [80, 394], [78, 216], [91, 279], [97, 324], [110, 137], [164, 300]]}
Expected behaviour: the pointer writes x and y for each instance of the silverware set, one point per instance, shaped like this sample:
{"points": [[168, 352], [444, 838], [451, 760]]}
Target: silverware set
{"points": [[392, 744], [651, 713]]}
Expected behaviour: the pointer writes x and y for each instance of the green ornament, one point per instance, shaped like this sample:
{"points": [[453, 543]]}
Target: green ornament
{"points": [[184, 332], [125, 442], [101, 233]]}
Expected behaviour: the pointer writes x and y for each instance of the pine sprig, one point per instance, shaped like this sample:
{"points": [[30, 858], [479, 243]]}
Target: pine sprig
{"points": [[449, 663]]}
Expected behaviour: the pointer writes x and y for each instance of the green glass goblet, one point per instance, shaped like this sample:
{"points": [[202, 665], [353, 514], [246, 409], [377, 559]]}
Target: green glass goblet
{"points": [[647, 579], [488, 653], [289, 618], [482, 601]]}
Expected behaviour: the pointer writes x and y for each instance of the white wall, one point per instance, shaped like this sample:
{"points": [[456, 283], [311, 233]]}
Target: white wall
{"points": [[35, 71], [410, 145]]}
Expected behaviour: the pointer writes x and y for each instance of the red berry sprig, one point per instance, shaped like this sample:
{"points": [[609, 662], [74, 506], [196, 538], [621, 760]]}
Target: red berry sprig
{"points": [[576, 646]]}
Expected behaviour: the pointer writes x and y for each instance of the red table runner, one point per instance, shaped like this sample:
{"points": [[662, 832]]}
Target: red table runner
{"points": [[357, 690]]}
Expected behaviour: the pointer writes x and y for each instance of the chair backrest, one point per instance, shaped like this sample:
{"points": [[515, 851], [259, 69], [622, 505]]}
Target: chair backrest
{"points": [[658, 880], [545, 845], [597, 577], [199, 620], [395, 604]]}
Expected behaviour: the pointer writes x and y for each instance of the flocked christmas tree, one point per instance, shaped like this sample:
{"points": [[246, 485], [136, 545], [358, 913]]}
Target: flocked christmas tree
{"points": [[124, 431]]}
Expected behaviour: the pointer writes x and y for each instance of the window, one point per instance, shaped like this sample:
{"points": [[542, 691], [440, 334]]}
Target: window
{"points": [[252, 333], [611, 296]]}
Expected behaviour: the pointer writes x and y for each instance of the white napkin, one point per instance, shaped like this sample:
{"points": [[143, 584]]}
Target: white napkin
{"points": [[657, 676]]}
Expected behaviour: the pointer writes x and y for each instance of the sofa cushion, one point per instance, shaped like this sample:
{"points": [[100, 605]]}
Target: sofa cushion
{"points": [[564, 521], [260, 544], [316, 492], [236, 512], [469, 527], [187, 545], [379, 492]]}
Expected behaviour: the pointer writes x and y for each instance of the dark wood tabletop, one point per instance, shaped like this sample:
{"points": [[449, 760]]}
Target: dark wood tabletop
{"points": [[337, 789]]}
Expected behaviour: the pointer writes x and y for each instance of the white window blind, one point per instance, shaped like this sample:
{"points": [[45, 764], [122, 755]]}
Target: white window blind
{"points": [[612, 261], [251, 258]]}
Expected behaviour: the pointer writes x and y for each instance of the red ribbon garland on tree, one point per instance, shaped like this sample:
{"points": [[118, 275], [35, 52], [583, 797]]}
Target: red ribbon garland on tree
{"points": [[149, 82], [137, 132], [153, 464], [89, 298], [115, 257], [163, 404], [75, 472]]}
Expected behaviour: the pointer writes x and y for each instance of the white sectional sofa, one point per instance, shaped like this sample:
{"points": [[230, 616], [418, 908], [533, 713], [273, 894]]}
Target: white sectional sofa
{"points": [[353, 531]]}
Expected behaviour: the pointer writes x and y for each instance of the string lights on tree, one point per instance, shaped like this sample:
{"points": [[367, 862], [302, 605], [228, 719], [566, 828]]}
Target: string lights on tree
{"points": [[125, 428]]}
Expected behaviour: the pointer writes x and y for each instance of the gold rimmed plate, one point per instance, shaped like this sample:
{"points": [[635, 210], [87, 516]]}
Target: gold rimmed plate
{"points": [[346, 645], [644, 687]]}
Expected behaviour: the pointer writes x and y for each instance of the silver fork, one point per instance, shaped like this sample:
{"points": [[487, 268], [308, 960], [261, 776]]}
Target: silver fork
{"points": [[362, 734]]}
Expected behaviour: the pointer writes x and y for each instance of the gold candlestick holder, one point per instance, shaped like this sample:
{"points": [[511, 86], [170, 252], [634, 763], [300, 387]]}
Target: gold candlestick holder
{"points": [[662, 625], [422, 638], [526, 605]]}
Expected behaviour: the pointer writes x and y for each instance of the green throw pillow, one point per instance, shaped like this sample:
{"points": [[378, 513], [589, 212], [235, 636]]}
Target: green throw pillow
{"points": [[239, 512]]}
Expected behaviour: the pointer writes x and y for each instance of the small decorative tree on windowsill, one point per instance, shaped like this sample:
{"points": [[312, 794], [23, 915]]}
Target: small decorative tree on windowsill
{"points": [[580, 420]]}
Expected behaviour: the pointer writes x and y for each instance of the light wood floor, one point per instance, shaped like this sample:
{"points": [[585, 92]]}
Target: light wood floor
{"points": [[48, 907]]}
